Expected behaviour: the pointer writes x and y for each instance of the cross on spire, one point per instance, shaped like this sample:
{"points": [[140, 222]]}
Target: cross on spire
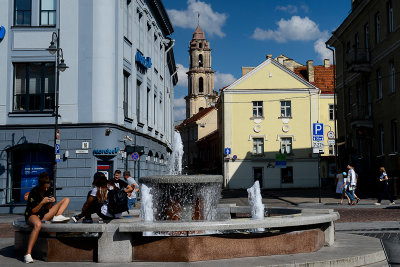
{"points": [[198, 19]]}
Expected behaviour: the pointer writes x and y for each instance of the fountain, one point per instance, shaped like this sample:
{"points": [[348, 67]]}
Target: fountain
{"points": [[181, 221]]}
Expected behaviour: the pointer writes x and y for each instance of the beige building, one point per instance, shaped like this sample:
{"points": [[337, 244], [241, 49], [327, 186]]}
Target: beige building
{"points": [[367, 52]]}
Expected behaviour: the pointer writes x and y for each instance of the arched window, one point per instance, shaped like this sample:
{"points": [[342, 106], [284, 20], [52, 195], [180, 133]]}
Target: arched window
{"points": [[200, 45], [201, 88], [200, 60]]}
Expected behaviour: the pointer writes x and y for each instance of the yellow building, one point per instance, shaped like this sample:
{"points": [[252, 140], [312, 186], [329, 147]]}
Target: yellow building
{"points": [[267, 125]]}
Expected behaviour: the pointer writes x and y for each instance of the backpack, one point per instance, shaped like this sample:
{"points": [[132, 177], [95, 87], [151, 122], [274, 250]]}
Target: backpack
{"points": [[117, 201]]}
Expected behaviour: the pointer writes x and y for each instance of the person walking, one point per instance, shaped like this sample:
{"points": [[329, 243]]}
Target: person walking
{"points": [[131, 196], [41, 207], [351, 180], [340, 186], [384, 186]]}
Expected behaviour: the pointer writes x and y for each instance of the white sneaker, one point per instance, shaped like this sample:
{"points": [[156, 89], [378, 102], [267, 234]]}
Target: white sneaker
{"points": [[392, 203], [377, 203], [60, 219], [28, 258]]}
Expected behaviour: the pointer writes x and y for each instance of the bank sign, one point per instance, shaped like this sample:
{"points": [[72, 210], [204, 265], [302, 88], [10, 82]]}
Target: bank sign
{"points": [[106, 151], [2, 32], [145, 62]]}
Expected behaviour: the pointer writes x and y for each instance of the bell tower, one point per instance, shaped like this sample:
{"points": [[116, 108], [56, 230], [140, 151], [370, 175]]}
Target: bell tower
{"points": [[201, 92]]}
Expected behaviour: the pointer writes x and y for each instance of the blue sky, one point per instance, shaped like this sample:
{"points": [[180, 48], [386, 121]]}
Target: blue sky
{"points": [[242, 33]]}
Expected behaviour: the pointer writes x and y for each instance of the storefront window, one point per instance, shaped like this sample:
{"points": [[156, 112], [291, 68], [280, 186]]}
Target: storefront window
{"points": [[25, 163]]}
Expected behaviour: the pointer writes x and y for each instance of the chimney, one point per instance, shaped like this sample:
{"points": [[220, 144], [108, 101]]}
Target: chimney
{"points": [[327, 64], [289, 63], [246, 70], [269, 56], [280, 59], [310, 71]]}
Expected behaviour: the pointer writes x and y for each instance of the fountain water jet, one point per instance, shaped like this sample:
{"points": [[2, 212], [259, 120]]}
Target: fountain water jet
{"points": [[255, 202]]}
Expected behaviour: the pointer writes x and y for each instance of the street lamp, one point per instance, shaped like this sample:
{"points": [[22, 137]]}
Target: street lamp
{"points": [[55, 48]]}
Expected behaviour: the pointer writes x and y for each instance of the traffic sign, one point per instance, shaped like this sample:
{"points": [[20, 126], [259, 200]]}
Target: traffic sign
{"points": [[228, 151], [318, 132], [57, 148], [331, 142], [318, 144], [135, 156], [331, 135]]}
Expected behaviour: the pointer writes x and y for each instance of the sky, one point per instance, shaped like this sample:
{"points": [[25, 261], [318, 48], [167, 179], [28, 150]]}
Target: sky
{"points": [[242, 33]]}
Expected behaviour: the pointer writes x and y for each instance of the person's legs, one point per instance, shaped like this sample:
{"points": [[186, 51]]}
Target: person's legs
{"points": [[380, 195], [131, 203], [349, 194], [388, 193], [57, 209], [35, 222]]}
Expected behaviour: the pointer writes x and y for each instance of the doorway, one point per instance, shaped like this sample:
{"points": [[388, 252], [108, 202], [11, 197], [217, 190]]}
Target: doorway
{"points": [[258, 174]]}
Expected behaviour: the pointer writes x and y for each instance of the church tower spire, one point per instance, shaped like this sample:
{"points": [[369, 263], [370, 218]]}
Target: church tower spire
{"points": [[201, 92]]}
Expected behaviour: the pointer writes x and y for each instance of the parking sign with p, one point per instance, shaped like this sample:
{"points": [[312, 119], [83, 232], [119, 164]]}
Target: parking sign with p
{"points": [[318, 132]]}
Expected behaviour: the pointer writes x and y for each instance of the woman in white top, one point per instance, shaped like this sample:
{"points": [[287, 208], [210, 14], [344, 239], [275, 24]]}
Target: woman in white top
{"points": [[97, 201], [384, 186]]}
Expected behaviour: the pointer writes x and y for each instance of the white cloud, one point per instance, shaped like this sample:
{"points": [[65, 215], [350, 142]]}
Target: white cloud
{"points": [[223, 79], [320, 48], [291, 9], [293, 29], [210, 21], [179, 109], [182, 76]]}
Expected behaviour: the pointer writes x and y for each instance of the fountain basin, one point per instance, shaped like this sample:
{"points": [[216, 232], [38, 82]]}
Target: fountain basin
{"points": [[181, 179]]}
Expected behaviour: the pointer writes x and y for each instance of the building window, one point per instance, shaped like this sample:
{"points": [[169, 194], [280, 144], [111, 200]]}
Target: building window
{"points": [[286, 109], [394, 137], [381, 140], [154, 107], [350, 96], [258, 146], [258, 175], [390, 16], [200, 45], [286, 145], [358, 96], [127, 19], [287, 175], [392, 77], [369, 98], [148, 106], [22, 12], [48, 12], [377, 28], [331, 150], [257, 109], [331, 112], [34, 85], [126, 94], [25, 163], [138, 88], [366, 40], [200, 60], [201, 85], [379, 83]]}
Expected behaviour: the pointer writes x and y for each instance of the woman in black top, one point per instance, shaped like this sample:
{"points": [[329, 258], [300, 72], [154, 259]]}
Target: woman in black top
{"points": [[40, 208]]}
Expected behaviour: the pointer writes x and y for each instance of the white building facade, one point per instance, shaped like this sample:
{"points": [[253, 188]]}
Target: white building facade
{"points": [[116, 94]]}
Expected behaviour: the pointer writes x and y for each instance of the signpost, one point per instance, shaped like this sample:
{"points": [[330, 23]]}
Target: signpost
{"points": [[280, 160], [318, 148]]}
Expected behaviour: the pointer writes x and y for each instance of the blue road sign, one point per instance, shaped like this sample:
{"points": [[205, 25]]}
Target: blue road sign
{"points": [[57, 149], [228, 151], [318, 132], [135, 156]]}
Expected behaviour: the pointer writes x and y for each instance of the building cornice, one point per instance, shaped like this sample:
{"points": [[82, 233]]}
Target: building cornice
{"points": [[162, 16]]}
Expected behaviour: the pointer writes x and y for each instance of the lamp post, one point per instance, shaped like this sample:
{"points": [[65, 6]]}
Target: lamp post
{"points": [[54, 48]]}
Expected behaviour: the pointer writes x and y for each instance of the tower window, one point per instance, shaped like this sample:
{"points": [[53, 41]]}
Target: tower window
{"points": [[200, 45], [200, 60], [201, 85]]}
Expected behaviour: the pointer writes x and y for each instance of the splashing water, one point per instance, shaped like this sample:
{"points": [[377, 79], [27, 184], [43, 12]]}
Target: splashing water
{"points": [[175, 163], [146, 207], [255, 202]]}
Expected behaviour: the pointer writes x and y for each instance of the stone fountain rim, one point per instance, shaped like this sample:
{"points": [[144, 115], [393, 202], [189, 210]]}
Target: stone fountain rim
{"points": [[182, 179]]}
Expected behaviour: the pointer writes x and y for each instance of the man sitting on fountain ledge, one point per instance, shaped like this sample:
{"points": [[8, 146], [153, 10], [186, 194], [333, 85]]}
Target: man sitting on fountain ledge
{"points": [[132, 196]]}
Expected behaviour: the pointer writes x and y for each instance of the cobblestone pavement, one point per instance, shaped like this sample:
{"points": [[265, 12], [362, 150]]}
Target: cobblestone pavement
{"points": [[360, 214]]}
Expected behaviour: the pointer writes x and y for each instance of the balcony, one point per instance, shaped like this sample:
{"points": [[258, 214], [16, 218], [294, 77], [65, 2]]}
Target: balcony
{"points": [[358, 60], [361, 115]]}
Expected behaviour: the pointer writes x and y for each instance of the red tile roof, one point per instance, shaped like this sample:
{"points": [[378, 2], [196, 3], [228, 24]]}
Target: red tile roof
{"points": [[194, 118], [323, 77]]}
